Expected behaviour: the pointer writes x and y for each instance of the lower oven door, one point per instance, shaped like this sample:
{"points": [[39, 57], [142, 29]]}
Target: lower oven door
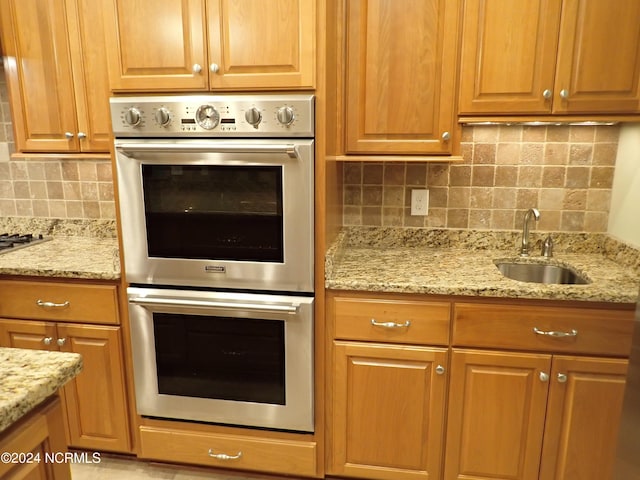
{"points": [[228, 358]]}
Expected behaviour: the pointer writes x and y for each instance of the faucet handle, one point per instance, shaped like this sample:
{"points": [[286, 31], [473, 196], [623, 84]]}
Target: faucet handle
{"points": [[547, 247]]}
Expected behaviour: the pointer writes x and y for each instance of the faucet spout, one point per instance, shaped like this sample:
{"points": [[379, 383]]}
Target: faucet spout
{"points": [[524, 249]]}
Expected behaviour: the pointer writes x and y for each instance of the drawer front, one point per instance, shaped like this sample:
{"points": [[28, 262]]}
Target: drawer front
{"points": [[233, 451], [62, 302], [539, 328], [395, 321]]}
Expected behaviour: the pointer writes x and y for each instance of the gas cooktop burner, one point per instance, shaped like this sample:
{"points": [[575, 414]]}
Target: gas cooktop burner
{"points": [[13, 241]]}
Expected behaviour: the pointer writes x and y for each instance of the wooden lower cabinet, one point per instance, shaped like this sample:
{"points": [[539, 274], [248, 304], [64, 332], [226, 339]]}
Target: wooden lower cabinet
{"points": [[39, 433], [387, 411], [523, 416], [95, 403]]}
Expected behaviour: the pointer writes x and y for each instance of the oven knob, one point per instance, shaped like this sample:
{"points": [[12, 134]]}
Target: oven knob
{"points": [[253, 116], [207, 117], [133, 116], [163, 117], [285, 115]]}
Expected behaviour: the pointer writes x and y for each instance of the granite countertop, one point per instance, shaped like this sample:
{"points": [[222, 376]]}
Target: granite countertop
{"points": [[81, 249], [462, 263], [27, 377], [69, 257]]}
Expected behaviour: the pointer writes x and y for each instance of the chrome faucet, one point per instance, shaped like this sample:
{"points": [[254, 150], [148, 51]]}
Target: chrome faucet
{"points": [[524, 249]]}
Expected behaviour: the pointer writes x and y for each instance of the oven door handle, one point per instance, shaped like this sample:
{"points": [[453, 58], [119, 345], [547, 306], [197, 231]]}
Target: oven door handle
{"points": [[291, 309], [130, 149]]}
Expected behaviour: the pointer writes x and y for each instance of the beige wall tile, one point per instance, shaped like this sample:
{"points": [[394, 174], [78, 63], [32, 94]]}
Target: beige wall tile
{"points": [[506, 170]]}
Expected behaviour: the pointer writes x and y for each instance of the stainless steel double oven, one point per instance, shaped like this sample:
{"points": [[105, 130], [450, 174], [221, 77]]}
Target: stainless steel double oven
{"points": [[217, 213]]}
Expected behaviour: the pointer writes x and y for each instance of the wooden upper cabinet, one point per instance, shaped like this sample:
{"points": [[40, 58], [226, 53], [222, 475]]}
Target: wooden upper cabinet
{"points": [[213, 44], [56, 75], [400, 76], [508, 56], [550, 57], [598, 57]]}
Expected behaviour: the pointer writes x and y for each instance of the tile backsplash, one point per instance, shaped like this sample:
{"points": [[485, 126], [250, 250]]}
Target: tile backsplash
{"points": [[564, 171], [51, 187]]}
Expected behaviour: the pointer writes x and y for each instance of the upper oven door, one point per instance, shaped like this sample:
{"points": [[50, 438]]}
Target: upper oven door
{"points": [[219, 214]]}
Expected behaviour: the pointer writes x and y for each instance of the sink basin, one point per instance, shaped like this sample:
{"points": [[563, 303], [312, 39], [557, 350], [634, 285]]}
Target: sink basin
{"points": [[540, 273]]}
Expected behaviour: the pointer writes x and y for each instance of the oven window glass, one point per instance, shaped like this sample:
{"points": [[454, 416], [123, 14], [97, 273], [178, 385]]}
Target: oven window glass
{"points": [[214, 212], [220, 358]]}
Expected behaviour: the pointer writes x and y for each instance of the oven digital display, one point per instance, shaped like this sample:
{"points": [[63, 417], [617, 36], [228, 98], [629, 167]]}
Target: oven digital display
{"points": [[188, 121], [228, 120]]}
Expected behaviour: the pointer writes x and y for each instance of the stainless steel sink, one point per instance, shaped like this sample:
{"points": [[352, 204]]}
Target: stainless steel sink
{"points": [[540, 273]]}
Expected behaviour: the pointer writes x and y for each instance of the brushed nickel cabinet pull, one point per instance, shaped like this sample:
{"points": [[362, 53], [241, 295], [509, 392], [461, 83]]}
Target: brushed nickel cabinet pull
{"points": [[375, 323], [224, 456], [551, 333], [40, 303]]}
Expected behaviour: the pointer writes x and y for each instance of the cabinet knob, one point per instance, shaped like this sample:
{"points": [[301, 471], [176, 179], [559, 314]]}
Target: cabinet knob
{"points": [[197, 68], [440, 370], [61, 341], [214, 68], [82, 135], [562, 377], [564, 93], [544, 377], [547, 94], [47, 340], [446, 136], [68, 135]]}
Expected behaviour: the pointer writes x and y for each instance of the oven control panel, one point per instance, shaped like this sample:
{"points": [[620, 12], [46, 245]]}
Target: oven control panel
{"points": [[264, 115]]}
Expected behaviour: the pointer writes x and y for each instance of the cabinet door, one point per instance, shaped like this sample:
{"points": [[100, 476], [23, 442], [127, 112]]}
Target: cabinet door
{"points": [[583, 417], [90, 77], [496, 415], [261, 43], [39, 79], [96, 401], [388, 411], [400, 76], [156, 44], [508, 56], [28, 334], [598, 57]]}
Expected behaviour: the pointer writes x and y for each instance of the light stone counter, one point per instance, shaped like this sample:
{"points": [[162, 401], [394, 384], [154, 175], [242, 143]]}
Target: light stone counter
{"points": [[28, 377], [77, 249], [66, 257], [462, 263]]}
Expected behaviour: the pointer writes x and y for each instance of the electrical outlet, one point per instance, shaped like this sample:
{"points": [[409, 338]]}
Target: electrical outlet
{"points": [[420, 202]]}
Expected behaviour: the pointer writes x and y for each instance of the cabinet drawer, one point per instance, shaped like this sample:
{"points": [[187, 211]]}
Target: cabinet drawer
{"points": [[62, 302], [263, 454], [570, 330], [396, 321]]}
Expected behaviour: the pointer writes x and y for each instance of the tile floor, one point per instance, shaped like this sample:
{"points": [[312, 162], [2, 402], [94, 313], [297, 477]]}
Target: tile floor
{"points": [[123, 468]]}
